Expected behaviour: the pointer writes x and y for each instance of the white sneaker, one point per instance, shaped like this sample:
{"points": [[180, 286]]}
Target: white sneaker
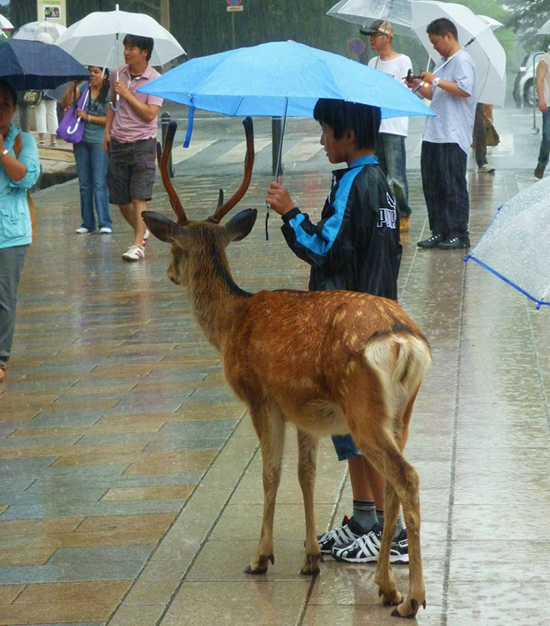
{"points": [[83, 231], [105, 231], [146, 237], [486, 169], [134, 253]]}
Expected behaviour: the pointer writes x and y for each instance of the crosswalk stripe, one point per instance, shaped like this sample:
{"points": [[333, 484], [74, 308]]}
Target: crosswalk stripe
{"points": [[237, 153], [304, 150], [180, 153]]}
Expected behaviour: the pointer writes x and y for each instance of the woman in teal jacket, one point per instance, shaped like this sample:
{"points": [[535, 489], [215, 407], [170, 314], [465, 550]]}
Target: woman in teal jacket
{"points": [[19, 171]]}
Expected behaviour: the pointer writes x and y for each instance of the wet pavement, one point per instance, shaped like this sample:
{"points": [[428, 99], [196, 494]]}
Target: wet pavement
{"points": [[130, 477]]}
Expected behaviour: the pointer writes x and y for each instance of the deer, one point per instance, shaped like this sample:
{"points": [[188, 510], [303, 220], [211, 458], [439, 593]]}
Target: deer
{"points": [[329, 362]]}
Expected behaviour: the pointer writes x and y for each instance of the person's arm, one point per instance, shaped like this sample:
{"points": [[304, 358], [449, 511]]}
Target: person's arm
{"points": [[69, 96], [147, 112], [447, 85], [92, 119], [25, 169], [542, 70]]}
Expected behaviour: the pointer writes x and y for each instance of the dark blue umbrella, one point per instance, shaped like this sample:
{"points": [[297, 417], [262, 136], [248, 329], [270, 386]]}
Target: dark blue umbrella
{"points": [[35, 65]]}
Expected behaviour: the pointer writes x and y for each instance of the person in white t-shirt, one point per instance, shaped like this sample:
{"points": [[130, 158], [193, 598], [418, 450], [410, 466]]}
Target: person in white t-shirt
{"points": [[390, 149], [447, 138], [543, 93]]}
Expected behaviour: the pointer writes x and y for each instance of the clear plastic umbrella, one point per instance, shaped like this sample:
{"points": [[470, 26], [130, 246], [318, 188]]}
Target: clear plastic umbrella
{"points": [[363, 12], [516, 246], [485, 49], [5, 24], [31, 30]]}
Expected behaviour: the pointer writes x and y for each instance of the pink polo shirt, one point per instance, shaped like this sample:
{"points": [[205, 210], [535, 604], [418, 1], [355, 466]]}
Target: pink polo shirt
{"points": [[128, 126]]}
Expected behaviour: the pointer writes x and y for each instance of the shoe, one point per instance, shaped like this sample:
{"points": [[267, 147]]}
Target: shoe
{"points": [[146, 237], [539, 171], [431, 242], [134, 253], [404, 224], [104, 230], [366, 548], [53, 144], [83, 231], [456, 243], [341, 536], [486, 169], [3, 369], [41, 143]]}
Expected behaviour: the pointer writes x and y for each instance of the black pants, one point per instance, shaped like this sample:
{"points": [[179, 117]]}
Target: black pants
{"points": [[443, 167]]}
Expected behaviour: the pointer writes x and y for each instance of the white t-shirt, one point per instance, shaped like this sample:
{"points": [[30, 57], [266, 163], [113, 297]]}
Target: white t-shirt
{"points": [[455, 115], [546, 84], [397, 68]]}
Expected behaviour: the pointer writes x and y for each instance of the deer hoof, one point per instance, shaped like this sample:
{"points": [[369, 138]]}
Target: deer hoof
{"points": [[261, 566], [392, 597], [408, 609], [311, 566]]}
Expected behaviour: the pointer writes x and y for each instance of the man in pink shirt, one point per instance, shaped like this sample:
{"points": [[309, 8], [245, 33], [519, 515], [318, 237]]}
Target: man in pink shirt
{"points": [[130, 139]]}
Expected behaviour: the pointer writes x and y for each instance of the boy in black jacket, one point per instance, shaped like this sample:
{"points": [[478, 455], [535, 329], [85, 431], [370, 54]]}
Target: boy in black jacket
{"points": [[355, 247]]}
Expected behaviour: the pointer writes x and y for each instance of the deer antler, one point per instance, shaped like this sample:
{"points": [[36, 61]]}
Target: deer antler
{"points": [[224, 208], [162, 158]]}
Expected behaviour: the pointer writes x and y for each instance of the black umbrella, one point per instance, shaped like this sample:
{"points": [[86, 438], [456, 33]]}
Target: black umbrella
{"points": [[35, 65]]}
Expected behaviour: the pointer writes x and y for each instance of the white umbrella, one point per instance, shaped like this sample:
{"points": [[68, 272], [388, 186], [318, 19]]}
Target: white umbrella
{"points": [[363, 12], [485, 50], [494, 24], [94, 40], [5, 24], [31, 30], [516, 246], [544, 29]]}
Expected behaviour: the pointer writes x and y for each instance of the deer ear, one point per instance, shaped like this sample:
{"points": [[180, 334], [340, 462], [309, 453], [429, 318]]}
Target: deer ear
{"points": [[241, 224], [162, 227]]}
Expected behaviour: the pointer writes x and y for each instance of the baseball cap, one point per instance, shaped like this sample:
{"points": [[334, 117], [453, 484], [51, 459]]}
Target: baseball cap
{"points": [[378, 26]]}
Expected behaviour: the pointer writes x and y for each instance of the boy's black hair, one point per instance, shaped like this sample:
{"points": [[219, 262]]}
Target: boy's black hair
{"points": [[7, 86], [341, 115], [143, 43], [441, 27]]}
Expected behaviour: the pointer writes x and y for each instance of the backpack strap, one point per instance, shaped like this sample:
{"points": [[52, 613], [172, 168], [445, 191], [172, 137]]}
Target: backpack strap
{"points": [[17, 145]]}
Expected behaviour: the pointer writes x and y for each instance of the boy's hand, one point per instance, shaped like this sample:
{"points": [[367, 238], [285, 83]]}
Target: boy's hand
{"points": [[278, 198]]}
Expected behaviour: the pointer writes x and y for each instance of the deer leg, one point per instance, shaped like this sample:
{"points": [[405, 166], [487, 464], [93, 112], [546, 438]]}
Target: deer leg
{"points": [[270, 428], [385, 578], [307, 462]]}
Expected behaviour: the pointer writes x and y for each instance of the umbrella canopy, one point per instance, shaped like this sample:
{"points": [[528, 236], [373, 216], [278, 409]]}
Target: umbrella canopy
{"points": [[486, 51], [5, 24], [93, 39], [363, 12], [493, 24], [35, 65], [31, 30], [279, 79], [516, 246], [544, 29]]}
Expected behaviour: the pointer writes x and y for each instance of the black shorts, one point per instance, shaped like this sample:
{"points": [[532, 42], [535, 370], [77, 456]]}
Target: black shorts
{"points": [[131, 172]]}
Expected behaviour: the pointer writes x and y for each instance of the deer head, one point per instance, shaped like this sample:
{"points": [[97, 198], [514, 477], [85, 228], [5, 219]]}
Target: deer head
{"points": [[207, 239]]}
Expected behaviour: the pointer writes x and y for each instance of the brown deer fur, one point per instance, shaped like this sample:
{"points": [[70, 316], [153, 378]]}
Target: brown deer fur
{"points": [[330, 362]]}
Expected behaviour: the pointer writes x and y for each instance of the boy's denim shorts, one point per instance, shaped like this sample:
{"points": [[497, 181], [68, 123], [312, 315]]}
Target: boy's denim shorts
{"points": [[345, 447]]}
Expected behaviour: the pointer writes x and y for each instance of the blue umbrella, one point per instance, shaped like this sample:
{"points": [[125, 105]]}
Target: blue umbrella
{"points": [[35, 65], [280, 79]]}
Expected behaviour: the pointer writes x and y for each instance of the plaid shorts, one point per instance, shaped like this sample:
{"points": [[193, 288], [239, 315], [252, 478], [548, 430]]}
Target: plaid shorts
{"points": [[131, 171]]}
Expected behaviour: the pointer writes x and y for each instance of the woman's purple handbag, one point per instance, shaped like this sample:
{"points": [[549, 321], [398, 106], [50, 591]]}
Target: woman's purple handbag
{"points": [[71, 127]]}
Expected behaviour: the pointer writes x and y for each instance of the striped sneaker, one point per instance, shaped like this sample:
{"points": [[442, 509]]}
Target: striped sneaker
{"points": [[365, 549], [134, 253], [341, 536]]}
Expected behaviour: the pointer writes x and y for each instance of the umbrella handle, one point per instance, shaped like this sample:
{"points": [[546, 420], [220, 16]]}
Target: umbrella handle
{"points": [[72, 129], [116, 106]]}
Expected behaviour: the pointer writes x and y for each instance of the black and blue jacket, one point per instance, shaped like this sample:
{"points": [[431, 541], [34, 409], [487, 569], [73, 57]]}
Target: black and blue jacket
{"points": [[355, 246]]}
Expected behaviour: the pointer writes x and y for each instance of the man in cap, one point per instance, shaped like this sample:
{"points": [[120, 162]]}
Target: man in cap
{"points": [[390, 149]]}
